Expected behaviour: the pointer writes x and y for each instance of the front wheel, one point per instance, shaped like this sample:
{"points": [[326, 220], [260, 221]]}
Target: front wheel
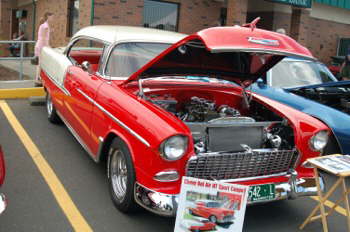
{"points": [[121, 177], [52, 115], [212, 219]]}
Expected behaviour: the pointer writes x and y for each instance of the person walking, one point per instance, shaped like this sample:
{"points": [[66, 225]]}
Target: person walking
{"points": [[43, 41], [345, 70]]}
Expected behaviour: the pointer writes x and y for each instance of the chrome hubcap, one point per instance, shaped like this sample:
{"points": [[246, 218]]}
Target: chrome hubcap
{"points": [[212, 219], [119, 174], [49, 105]]}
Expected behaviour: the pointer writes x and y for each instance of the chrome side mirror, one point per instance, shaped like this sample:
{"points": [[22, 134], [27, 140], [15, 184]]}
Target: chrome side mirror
{"points": [[86, 66]]}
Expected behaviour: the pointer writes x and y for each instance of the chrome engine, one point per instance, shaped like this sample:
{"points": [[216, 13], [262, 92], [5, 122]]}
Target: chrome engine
{"points": [[230, 145], [221, 128]]}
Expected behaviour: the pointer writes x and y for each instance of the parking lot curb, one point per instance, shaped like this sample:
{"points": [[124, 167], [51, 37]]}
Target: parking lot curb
{"points": [[21, 93]]}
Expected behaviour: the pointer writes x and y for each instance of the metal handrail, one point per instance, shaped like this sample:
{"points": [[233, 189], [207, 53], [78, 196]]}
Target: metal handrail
{"points": [[21, 53]]}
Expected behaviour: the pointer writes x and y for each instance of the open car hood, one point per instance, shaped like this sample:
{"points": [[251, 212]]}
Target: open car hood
{"points": [[238, 54]]}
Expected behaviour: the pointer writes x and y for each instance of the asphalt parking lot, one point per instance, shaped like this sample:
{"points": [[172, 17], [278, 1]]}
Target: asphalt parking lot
{"points": [[34, 206]]}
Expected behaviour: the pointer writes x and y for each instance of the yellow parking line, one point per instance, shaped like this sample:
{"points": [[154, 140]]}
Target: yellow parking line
{"points": [[21, 93], [64, 200], [330, 204]]}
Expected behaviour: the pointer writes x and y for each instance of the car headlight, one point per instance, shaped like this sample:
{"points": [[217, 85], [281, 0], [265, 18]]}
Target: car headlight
{"points": [[319, 141], [174, 147]]}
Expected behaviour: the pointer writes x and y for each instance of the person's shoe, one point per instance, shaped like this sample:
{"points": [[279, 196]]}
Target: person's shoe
{"points": [[38, 83]]}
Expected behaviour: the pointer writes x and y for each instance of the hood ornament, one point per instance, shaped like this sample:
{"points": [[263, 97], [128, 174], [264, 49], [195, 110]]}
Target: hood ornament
{"points": [[252, 25]]}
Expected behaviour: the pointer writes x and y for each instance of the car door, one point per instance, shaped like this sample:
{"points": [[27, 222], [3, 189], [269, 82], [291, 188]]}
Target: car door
{"points": [[82, 83]]}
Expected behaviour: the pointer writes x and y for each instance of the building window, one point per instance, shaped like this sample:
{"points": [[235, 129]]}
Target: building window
{"points": [[73, 17], [223, 16], [160, 15]]}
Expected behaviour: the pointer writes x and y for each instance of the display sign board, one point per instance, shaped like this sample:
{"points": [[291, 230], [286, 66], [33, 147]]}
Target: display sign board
{"points": [[336, 164], [206, 205], [299, 3]]}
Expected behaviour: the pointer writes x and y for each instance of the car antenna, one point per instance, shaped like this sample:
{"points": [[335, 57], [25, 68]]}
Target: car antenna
{"points": [[252, 24]]}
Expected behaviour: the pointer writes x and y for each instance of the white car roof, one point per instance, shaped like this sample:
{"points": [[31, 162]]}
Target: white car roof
{"points": [[114, 34]]}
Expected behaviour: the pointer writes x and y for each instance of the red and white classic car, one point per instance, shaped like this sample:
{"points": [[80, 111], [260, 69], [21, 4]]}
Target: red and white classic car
{"points": [[3, 201], [158, 106], [213, 210]]}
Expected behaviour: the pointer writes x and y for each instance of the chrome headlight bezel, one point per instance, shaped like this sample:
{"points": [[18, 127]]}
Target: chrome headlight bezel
{"points": [[167, 151], [319, 140]]}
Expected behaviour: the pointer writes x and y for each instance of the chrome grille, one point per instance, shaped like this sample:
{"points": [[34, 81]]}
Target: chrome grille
{"points": [[223, 166], [228, 218]]}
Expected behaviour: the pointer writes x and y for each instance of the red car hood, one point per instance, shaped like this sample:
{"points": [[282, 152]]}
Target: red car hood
{"points": [[236, 53]]}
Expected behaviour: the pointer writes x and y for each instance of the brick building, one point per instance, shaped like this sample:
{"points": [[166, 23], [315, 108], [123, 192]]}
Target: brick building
{"points": [[319, 27]]}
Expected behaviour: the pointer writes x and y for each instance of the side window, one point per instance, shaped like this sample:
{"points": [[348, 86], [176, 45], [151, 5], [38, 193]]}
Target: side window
{"points": [[127, 58], [86, 50]]}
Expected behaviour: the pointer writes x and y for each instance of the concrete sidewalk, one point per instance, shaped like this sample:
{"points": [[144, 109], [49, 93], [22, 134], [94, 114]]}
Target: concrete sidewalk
{"points": [[28, 68], [16, 84]]}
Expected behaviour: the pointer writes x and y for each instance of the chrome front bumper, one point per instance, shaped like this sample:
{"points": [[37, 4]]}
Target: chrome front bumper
{"points": [[3, 203], [166, 204]]}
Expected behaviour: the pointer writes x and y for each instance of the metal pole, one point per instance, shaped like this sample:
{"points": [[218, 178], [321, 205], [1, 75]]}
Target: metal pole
{"points": [[92, 14], [21, 62], [34, 19]]}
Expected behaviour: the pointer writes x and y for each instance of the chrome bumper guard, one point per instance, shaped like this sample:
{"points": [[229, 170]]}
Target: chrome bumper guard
{"points": [[166, 204], [3, 203]]}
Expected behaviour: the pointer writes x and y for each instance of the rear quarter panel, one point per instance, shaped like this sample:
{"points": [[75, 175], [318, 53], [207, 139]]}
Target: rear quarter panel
{"points": [[54, 63]]}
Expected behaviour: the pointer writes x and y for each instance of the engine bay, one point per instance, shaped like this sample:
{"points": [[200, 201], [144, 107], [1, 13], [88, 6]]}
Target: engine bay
{"points": [[335, 97], [218, 126]]}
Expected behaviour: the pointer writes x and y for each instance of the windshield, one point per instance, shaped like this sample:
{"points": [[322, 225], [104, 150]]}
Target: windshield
{"points": [[296, 73], [127, 58]]}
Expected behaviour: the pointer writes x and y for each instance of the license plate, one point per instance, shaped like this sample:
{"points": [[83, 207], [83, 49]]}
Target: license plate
{"points": [[263, 192]]}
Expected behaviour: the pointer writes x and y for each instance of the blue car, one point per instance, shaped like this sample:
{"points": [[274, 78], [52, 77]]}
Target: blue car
{"points": [[310, 87]]}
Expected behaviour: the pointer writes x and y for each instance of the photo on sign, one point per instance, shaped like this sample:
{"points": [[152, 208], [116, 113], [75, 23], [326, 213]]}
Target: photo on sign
{"points": [[208, 208], [335, 164]]}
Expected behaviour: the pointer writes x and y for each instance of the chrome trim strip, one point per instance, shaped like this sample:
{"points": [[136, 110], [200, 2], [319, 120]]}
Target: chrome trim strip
{"points": [[64, 90], [76, 136], [114, 118], [255, 177]]}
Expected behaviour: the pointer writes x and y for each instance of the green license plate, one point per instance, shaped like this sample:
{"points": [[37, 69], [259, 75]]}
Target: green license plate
{"points": [[263, 192]]}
